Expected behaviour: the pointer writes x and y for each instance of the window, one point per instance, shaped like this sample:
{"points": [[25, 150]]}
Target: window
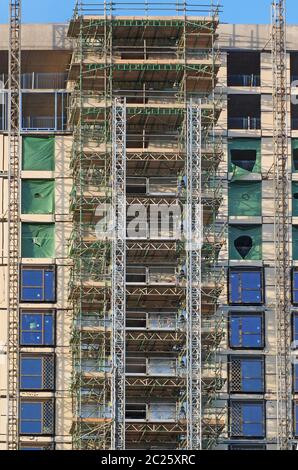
{"points": [[295, 378], [37, 328], [247, 419], [246, 286], [49, 446], [38, 284], [246, 375], [37, 417], [246, 331], [245, 159], [37, 372], [135, 411], [295, 330], [295, 287], [247, 447], [296, 418]]}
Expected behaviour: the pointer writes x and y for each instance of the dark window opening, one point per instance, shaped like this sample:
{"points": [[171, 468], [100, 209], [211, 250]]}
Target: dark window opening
{"points": [[245, 159], [135, 412], [243, 245], [294, 115], [244, 68], [295, 159], [137, 275], [136, 320], [294, 66], [136, 365], [244, 112]]}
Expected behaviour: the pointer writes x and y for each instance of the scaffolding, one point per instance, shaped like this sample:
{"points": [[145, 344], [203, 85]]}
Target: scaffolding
{"points": [[14, 146], [281, 228], [146, 327]]}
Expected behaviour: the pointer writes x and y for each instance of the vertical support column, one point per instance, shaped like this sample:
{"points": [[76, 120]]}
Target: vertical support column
{"points": [[194, 224], [118, 271], [281, 228], [14, 146]]}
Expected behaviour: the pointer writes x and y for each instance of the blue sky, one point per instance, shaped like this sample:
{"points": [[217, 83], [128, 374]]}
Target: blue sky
{"points": [[234, 11]]}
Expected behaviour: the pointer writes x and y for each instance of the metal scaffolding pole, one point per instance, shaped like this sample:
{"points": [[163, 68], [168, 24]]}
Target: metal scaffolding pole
{"points": [[282, 227], [194, 224], [118, 271], [14, 146]]}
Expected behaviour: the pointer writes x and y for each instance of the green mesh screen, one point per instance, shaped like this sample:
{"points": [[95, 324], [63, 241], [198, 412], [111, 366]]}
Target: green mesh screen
{"points": [[38, 196], [245, 198], [245, 242], [38, 240], [244, 157], [39, 153]]}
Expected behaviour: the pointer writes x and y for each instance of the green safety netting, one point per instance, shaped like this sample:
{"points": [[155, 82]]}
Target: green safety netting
{"points": [[39, 153], [38, 196], [244, 157], [245, 198], [295, 241], [245, 242], [295, 199], [295, 155], [38, 240]]}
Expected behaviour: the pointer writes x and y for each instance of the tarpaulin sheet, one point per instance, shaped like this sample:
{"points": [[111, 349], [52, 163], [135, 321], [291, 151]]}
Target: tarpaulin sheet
{"points": [[244, 145], [250, 238], [39, 153], [38, 240], [245, 198], [38, 196]]}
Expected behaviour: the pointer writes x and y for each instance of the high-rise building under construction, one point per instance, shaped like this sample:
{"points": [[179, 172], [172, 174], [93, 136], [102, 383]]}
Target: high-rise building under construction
{"points": [[148, 236]]}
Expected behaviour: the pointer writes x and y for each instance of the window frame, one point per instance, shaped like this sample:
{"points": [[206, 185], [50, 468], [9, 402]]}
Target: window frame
{"points": [[234, 269], [247, 402], [43, 374], [42, 312], [247, 314], [293, 290], [43, 268], [262, 378], [40, 401]]}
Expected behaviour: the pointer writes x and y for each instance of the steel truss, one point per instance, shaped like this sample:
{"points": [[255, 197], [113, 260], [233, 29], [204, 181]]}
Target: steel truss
{"points": [[193, 262], [14, 146], [281, 228], [118, 270]]}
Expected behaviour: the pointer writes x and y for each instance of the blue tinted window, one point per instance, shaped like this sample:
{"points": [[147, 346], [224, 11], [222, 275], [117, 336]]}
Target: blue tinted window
{"points": [[37, 329], [246, 287], [246, 331], [36, 417], [37, 373], [31, 373], [38, 285], [295, 287], [296, 419], [248, 419], [295, 330], [247, 375]]}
